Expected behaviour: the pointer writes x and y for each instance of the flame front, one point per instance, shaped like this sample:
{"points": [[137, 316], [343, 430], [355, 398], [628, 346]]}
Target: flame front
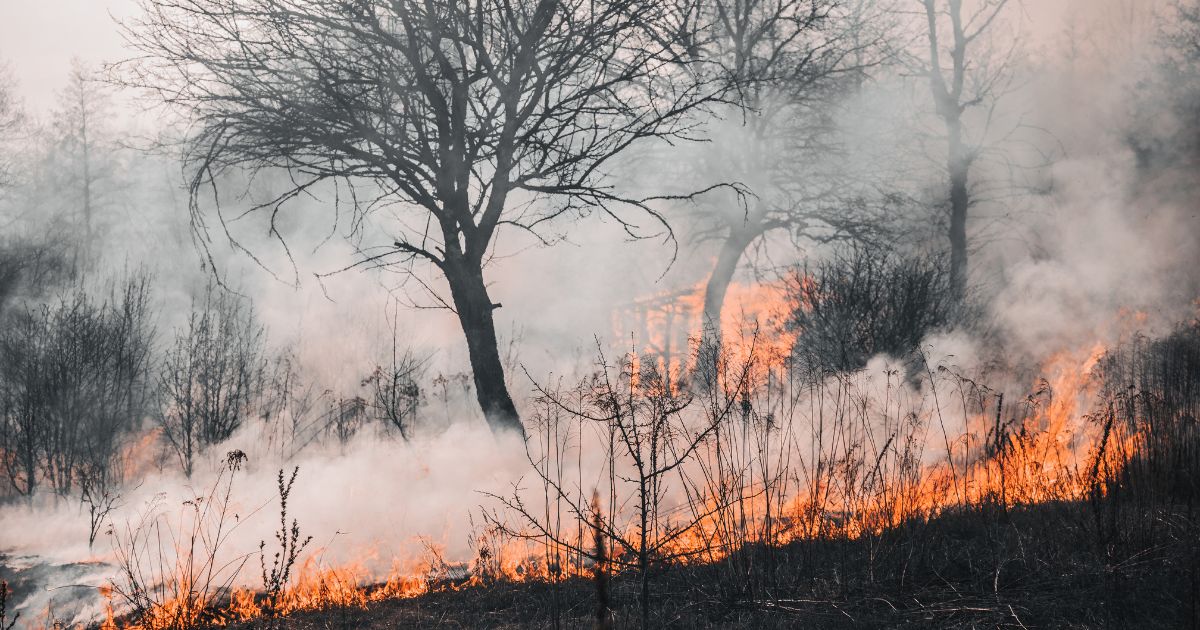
{"points": [[778, 472]]}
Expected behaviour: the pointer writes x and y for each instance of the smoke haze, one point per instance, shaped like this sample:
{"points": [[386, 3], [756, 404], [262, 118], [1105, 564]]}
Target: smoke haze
{"points": [[1090, 250]]}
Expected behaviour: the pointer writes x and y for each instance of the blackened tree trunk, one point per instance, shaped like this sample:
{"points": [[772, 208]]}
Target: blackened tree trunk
{"points": [[947, 98], [732, 248], [948, 85], [474, 308], [959, 167]]}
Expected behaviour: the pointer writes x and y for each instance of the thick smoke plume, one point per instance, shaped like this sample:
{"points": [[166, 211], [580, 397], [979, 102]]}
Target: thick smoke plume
{"points": [[1086, 245]]}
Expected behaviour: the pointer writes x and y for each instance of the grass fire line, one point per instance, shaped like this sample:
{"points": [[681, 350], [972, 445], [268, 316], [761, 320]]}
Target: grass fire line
{"points": [[749, 481]]}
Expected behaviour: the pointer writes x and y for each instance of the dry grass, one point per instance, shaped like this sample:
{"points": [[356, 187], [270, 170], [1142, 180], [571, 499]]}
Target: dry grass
{"points": [[833, 506]]}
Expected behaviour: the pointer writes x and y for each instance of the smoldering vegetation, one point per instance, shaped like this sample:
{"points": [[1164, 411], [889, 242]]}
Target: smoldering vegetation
{"points": [[842, 313]]}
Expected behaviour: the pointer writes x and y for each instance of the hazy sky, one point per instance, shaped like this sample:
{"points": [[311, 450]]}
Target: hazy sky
{"points": [[39, 37]]}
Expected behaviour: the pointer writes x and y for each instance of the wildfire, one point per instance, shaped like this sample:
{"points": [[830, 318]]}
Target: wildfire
{"points": [[318, 587], [1044, 447], [315, 588], [666, 327], [1047, 449], [139, 456]]}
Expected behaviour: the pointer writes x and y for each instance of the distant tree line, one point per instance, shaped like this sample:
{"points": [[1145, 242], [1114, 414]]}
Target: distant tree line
{"points": [[85, 378]]}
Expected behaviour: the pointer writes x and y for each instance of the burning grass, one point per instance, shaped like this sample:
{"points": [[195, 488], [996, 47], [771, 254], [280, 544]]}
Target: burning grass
{"points": [[859, 499]]}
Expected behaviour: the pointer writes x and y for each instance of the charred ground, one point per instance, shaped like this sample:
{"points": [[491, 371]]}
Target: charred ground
{"points": [[1043, 566]]}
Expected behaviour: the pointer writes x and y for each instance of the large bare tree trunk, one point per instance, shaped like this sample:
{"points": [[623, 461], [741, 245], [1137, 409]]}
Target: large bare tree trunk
{"points": [[732, 248], [475, 308], [959, 165], [948, 97]]}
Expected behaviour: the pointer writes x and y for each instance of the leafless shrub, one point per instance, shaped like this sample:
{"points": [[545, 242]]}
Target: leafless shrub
{"points": [[31, 267], [487, 542], [395, 393], [213, 376], [172, 572], [288, 405], [99, 494], [344, 417], [276, 579], [1150, 424], [73, 384], [447, 388], [866, 302], [25, 398], [650, 438]]}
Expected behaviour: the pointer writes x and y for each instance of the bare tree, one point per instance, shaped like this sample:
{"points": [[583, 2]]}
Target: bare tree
{"points": [[213, 377], [789, 63], [24, 399], [86, 159], [73, 385], [650, 441], [120, 405], [1163, 134], [395, 393], [467, 117], [26, 269], [962, 74], [11, 119]]}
